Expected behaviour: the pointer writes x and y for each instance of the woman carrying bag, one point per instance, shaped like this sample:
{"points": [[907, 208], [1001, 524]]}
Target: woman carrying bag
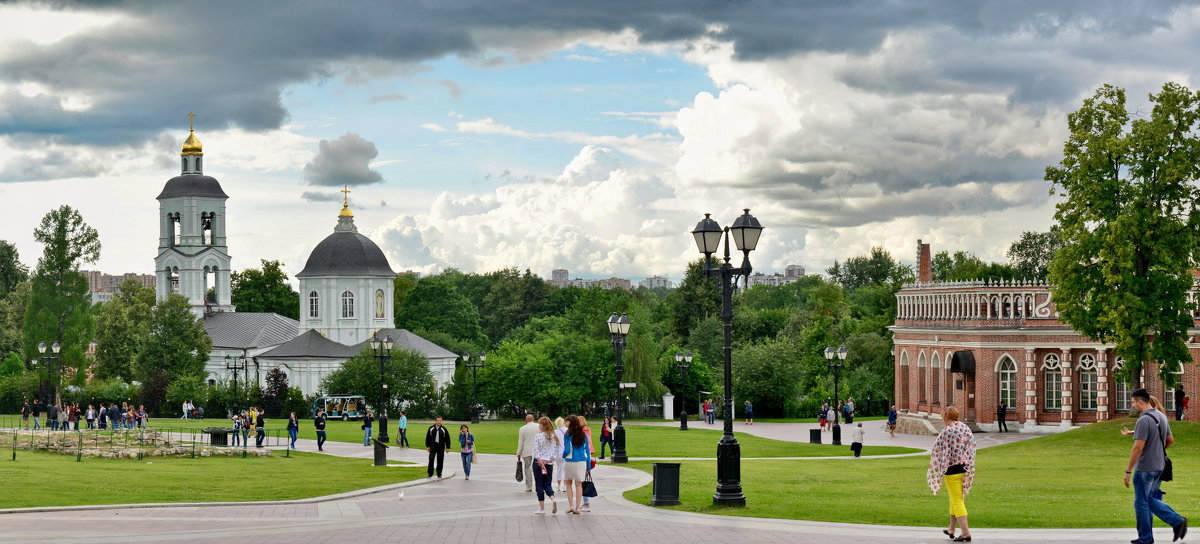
{"points": [[466, 448], [952, 462]]}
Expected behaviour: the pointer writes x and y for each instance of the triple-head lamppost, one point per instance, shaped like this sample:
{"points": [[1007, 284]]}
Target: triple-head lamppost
{"points": [[683, 361], [51, 361], [708, 234], [235, 364], [382, 350], [836, 367], [618, 327], [466, 358]]}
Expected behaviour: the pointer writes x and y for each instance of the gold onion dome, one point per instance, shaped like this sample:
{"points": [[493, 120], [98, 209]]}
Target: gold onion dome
{"points": [[345, 203], [191, 146]]}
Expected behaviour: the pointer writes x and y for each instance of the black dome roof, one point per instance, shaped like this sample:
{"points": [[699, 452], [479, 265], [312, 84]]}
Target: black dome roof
{"points": [[192, 185], [347, 254]]}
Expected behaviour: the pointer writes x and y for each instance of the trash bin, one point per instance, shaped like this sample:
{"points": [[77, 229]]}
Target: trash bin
{"points": [[666, 484], [217, 436], [837, 435], [814, 436]]}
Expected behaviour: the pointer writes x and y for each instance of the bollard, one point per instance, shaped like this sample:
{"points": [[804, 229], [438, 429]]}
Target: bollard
{"points": [[141, 448], [14, 446], [79, 452]]}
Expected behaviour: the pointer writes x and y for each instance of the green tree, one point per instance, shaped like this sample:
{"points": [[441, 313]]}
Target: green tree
{"points": [[696, 298], [512, 300], [264, 290], [767, 374], [122, 327], [275, 392], [12, 272], [406, 375], [1130, 225], [12, 318], [1032, 253], [435, 305], [964, 266], [12, 365], [59, 308], [401, 287], [177, 343], [877, 268]]}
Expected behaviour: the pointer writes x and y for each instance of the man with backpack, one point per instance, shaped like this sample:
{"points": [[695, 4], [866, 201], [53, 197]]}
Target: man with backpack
{"points": [[1148, 466]]}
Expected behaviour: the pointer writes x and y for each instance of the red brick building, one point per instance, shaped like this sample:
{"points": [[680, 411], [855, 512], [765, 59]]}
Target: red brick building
{"points": [[974, 344]]}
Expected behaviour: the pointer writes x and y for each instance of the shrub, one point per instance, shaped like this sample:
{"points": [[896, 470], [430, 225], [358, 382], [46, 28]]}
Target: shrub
{"points": [[295, 402]]}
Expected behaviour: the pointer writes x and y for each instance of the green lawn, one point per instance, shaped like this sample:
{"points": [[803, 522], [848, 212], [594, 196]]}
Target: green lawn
{"points": [[48, 479], [1067, 480]]}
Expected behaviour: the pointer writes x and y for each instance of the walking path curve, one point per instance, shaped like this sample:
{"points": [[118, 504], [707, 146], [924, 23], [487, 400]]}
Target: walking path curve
{"points": [[489, 508]]}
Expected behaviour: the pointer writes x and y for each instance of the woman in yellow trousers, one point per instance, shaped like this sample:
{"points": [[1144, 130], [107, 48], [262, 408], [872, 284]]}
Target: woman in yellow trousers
{"points": [[952, 463]]}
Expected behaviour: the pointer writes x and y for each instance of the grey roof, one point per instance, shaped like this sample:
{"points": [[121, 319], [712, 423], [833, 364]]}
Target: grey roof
{"points": [[403, 339], [246, 330], [347, 254], [192, 185], [311, 345]]}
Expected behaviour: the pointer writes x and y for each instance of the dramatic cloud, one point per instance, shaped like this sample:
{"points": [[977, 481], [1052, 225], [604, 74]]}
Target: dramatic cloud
{"points": [[319, 196], [344, 161]]}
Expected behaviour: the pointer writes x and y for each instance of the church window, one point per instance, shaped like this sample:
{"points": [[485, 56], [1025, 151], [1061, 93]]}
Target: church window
{"points": [[1087, 382], [1008, 382], [1052, 369], [314, 302], [185, 169], [1121, 389], [176, 230], [197, 164], [347, 304]]}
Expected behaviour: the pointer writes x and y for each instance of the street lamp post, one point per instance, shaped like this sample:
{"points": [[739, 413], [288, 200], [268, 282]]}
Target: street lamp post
{"points": [[618, 327], [837, 374], [708, 233], [474, 382], [235, 364], [382, 349], [683, 362], [51, 362]]}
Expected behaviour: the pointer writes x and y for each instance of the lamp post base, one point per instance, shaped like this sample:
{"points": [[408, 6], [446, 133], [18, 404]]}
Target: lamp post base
{"points": [[837, 434], [619, 455], [683, 421], [729, 475]]}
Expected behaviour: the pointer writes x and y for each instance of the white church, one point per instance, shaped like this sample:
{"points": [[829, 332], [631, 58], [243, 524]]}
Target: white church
{"points": [[345, 291]]}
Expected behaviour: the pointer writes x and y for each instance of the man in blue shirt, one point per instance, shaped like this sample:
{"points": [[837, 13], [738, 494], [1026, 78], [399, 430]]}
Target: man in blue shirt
{"points": [[1151, 438], [403, 440]]}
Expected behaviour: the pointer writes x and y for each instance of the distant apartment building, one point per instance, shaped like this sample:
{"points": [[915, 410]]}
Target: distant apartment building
{"points": [[791, 273], [655, 282], [102, 286], [614, 283], [559, 277]]}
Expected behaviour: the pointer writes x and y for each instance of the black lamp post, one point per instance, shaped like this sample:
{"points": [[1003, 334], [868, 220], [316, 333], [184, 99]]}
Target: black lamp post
{"points": [[235, 364], [683, 362], [474, 382], [708, 233], [51, 362], [618, 327], [382, 349], [837, 374]]}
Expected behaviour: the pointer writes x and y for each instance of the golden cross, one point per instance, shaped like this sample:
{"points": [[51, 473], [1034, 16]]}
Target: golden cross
{"points": [[191, 123], [345, 195]]}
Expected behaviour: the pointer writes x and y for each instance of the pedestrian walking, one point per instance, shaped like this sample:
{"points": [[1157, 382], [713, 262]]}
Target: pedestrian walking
{"points": [[259, 429], [246, 424], [547, 448], [366, 428], [437, 441], [64, 414], [560, 464], [143, 417], [606, 434], [101, 417], [466, 449], [710, 412], [236, 423], [587, 506], [856, 439], [849, 409], [1001, 415], [1180, 398], [403, 440], [952, 463], [90, 416], [185, 409], [37, 413], [749, 408], [577, 457], [319, 425], [26, 411], [891, 424], [525, 437], [1147, 463], [822, 414], [293, 429]]}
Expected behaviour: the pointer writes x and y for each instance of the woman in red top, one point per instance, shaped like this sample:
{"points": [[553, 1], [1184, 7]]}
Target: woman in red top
{"points": [[606, 435]]}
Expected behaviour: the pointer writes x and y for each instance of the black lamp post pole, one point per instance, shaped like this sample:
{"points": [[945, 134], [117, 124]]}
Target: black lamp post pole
{"points": [[619, 327], [474, 383], [837, 399], [383, 354], [683, 363], [51, 361]]}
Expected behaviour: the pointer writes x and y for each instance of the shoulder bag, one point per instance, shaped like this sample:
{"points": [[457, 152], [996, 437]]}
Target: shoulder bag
{"points": [[520, 472], [1168, 471]]}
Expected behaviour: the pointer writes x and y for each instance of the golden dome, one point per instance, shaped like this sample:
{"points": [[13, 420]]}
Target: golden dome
{"points": [[345, 211], [345, 202], [191, 146]]}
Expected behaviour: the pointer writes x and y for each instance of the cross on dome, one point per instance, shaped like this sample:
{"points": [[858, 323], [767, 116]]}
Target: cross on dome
{"points": [[346, 202]]}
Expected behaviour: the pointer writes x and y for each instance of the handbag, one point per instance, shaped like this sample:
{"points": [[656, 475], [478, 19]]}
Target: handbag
{"points": [[520, 472], [589, 488], [474, 458], [1168, 471]]}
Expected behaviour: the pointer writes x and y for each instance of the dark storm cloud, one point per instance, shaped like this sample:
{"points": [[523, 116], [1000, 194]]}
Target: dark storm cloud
{"points": [[344, 161], [319, 196], [232, 60]]}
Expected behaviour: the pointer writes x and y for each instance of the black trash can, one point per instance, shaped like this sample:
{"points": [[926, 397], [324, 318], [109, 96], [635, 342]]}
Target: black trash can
{"points": [[814, 436], [217, 436], [837, 435], [666, 484]]}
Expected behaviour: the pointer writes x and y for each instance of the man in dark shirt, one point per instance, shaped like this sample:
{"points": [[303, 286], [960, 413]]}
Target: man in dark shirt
{"points": [[1179, 396], [37, 413], [437, 440], [52, 416], [1151, 438], [1001, 413], [260, 433], [319, 424]]}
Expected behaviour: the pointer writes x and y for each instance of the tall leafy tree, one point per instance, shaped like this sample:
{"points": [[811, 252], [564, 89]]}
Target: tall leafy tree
{"points": [[402, 285], [1130, 225], [406, 375], [696, 298], [12, 272], [435, 305], [122, 327], [1032, 253], [264, 290], [877, 268], [512, 300], [59, 308], [12, 318], [177, 343]]}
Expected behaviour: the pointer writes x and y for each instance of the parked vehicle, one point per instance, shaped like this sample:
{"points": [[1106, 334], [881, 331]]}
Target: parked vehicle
{"points": [[346, 407]]}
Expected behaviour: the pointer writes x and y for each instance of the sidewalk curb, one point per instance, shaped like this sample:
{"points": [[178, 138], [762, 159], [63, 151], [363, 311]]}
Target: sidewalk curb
{"points": [[309, 500]]}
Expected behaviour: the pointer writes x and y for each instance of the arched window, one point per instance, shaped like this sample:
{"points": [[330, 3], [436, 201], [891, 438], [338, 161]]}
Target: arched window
{"points": [[1052, 369], [347, 304], [314, 305], [921, 377], [1007, 371], [902, 393], [1087, 382], [936, 371], [1121, 389]]}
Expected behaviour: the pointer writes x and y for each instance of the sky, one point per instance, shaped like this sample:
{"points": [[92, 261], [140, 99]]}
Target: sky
{"points": [[590, 136]]}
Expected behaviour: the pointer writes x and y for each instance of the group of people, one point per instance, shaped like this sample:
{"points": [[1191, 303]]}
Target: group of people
{"points": [[68, 416], [191, 411], [255, 418], [558, 453], [828, 414]]}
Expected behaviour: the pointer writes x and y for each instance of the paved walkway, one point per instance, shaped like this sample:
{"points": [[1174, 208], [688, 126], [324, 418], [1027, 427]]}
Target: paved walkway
{"points": [[874, 433], [489, 508]]}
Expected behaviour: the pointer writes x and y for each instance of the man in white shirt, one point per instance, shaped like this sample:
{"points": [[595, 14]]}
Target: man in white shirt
{"points": [[525, 438]]}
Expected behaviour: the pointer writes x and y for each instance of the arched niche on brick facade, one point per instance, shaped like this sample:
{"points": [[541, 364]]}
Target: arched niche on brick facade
{"points": [[1006, 381], [935, 383], [922, 377]]}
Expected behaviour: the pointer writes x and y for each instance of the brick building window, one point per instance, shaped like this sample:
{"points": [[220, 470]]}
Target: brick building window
{"points": [[1008, 382], [1052, 370], [936, 371], [1121, 388], [922, 371], [1087, 383]]}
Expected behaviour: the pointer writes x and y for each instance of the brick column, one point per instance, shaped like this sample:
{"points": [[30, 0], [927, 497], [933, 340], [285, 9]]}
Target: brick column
{"points": [[1068, 387], [1031, 387], [1102, 389]]}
